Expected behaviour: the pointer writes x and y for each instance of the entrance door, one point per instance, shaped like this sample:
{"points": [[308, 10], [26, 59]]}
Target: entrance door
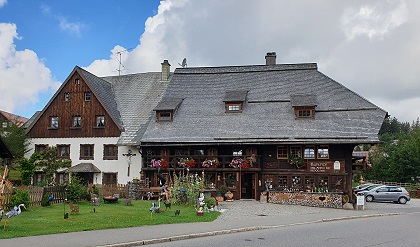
{"points": [[248, 186]]}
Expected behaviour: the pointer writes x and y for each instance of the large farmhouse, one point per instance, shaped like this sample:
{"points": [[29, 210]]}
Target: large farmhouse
{"points": [[97, 123], [277, 126]]}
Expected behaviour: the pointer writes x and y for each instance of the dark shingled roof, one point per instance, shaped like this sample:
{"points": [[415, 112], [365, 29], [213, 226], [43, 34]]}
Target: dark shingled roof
{"points": [[136, 96], [303, 100], [341, 115], [235, 96], [84, 167], [168, 104]]}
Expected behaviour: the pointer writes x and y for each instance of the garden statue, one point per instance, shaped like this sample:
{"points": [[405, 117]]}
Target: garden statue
{"points": [[200, 205]]}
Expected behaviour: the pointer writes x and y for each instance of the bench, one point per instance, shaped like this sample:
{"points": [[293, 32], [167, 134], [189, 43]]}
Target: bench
{"points": [[153, 192]]}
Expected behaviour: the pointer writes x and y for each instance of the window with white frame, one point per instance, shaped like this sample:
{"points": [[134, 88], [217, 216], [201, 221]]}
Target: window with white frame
{"points": [[323, 152], [309, 152], [54, 122]]}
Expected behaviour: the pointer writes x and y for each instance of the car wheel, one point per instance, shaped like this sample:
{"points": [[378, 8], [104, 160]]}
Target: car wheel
{"points": [[369, 198], [402, 200]]}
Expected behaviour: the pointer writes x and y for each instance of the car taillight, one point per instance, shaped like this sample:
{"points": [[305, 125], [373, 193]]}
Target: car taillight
{"points": [[408, 193]]}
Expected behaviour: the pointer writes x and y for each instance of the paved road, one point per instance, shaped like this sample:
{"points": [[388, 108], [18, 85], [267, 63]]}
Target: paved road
{"points": [[237, 216]]}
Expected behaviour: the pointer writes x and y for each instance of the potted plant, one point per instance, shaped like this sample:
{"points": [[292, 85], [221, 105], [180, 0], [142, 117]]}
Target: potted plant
{"points": [[221, 190]]}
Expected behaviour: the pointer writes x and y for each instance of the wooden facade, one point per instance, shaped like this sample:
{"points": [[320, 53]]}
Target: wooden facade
{"points": [[71, 101], [266, 170]]}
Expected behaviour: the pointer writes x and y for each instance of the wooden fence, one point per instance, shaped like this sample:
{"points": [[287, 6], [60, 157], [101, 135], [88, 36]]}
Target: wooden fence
{"points": [[112, 189], [36, 193]]}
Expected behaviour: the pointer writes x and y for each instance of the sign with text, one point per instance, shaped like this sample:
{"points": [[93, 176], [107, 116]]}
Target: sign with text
{"points": [[324, 166]]}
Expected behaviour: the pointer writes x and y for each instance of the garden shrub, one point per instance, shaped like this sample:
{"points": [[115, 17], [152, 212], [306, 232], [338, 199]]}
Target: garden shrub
{"points": [[210, 202], [186, 188], [76, 191], [20, 197]]}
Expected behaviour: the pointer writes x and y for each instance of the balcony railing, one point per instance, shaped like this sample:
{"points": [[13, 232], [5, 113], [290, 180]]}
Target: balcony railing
{"points": [[224, 161]]}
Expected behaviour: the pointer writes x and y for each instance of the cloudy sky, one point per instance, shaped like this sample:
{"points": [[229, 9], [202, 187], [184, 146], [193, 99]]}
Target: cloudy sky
{"points": [[371, 47]]}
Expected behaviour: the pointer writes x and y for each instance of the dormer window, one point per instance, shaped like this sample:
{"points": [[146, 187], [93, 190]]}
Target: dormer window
{"points": [[164, 116], [233, 107], [304, 105], [304, 112], [234, 100], [166, 109]]}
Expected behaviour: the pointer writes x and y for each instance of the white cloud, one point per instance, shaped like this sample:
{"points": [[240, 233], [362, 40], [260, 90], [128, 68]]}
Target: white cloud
{"points": [[371, 47], [21, 68], [375, 20], [2, 3], [71, 27]]}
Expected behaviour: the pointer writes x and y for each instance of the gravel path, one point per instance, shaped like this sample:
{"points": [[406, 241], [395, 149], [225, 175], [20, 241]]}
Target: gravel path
{"points": [[245, 209]]}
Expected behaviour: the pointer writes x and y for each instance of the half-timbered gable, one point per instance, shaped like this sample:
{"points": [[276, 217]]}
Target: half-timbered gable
{"points": [[84, 106]]}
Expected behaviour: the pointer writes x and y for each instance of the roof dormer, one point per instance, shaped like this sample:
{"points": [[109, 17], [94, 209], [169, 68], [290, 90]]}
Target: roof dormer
{"points": [[166, 109], [304, 105], [234, 100]]}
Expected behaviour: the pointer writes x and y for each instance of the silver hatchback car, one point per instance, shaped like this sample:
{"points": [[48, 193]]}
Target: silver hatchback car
{"points": [[388, 193]]}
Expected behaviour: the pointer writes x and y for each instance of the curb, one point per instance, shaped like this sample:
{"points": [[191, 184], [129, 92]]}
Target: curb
{"points": [[245, 229]]}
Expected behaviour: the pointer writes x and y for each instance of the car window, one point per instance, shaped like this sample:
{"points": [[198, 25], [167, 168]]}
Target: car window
{"points": [[395, 190], [383, 189]]}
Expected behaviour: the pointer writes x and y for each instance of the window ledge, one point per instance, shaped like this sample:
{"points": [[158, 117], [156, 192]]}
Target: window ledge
{"points": [[51, 128], [86, 158], [75, 128], [96, 127]]}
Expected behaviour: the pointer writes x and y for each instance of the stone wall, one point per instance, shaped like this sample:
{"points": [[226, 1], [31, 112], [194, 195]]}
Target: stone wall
{"points": [[328, 200]]}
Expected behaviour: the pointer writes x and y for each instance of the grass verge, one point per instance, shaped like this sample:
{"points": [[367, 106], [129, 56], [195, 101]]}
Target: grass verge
{"points": [[50, 220]]}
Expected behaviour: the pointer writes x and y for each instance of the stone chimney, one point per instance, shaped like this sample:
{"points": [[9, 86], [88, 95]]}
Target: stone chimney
{"points": [[270, 58], [166, 70]]}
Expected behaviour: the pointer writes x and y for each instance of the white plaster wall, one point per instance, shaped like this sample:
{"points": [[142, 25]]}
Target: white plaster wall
{"points": [[119, 166]]}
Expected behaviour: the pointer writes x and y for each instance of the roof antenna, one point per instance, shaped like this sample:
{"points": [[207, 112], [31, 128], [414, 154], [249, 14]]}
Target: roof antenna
{"points": [[120, 61], [184, 63]]}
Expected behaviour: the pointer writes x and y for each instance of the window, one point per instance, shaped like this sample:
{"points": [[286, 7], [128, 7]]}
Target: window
{"points": [[86, 151], [233, 107], [309, 153], [395, 189], [77, 121], [309, 182], [4, 125], [323, 182], [109, 178], [63, 151], [164, 116], [283, 182], [54, 122], [67, 97], [304, 112], [295, 151], [100, 121], [87, 96], [282, 152], [322, 152], [77, 81], [110, 152], [40, 147]]}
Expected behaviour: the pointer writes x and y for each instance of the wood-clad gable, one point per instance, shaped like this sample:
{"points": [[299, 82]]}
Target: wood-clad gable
{"points": [[74, 99]]}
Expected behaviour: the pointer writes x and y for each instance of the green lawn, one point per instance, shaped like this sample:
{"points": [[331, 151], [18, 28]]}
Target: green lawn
{"points": [[50, 220]]}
